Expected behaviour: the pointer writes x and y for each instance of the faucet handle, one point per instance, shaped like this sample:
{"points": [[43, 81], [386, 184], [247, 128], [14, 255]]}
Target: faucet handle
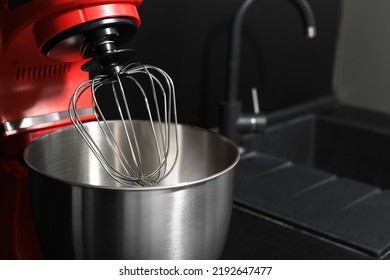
{"points": [[255, 100], [252, 123], [235, 122]]}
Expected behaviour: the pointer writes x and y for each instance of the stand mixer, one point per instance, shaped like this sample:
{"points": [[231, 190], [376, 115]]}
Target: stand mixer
{"points": [[100, 189], [43, 45]]}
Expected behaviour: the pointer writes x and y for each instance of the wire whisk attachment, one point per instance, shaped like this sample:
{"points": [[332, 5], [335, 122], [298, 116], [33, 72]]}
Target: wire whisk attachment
{"points": [[131, 156]]}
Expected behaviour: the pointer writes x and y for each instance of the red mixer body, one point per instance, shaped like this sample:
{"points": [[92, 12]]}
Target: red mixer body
{"points": [[34, 97]]}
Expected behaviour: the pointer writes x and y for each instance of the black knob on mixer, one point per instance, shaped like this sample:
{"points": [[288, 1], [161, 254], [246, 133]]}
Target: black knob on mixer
{"points": [[108, 63]]}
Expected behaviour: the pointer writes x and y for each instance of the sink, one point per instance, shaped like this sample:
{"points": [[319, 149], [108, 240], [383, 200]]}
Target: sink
{"points": [[325, 175], [337, 146]]}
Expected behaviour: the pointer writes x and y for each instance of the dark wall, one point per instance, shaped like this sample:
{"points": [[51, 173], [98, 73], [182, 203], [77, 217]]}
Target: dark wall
{"points": [[189, 40]]}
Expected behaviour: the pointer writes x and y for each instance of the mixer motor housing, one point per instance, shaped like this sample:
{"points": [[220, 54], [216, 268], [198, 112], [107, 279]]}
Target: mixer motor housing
{"points": [[42, 47]]}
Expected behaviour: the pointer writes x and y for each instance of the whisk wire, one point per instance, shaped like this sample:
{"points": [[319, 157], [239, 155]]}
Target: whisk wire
{"points": [[83, 132], [166, 135], [135, 153]]}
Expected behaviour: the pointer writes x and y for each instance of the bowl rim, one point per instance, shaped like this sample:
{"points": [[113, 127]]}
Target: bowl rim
{"points": [[135, 187]]}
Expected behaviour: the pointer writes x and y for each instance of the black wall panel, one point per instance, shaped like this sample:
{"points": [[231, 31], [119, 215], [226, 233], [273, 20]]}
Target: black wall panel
{"points": [[189, 39]]}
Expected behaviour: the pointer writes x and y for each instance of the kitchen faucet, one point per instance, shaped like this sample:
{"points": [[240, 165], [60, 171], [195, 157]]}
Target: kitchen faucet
{"points": [[233, 121]]}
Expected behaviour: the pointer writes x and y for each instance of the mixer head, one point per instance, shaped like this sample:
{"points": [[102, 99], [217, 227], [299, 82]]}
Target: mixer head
{"points": [[43, 45]]}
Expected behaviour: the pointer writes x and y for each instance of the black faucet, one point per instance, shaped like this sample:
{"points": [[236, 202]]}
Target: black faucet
{"points": [[233, 121]]}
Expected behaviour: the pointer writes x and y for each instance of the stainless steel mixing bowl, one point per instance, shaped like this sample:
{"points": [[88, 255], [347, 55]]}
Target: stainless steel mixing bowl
{"points": [[80, 212]]}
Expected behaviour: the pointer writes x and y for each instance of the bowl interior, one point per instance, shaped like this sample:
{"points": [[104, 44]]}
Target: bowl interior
{"points": [[63, 154]]}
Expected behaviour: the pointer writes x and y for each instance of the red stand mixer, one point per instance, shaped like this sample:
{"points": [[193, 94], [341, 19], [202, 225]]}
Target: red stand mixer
{"points": [[43, 44]]}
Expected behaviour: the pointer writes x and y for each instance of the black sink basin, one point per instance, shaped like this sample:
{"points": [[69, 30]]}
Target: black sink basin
{"points": [[323, 173], [347, 149]]}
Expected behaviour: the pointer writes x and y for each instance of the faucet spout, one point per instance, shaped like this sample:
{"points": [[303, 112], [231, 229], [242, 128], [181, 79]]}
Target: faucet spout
{"points": [[227, 127], [235, 40], [308, 17]]}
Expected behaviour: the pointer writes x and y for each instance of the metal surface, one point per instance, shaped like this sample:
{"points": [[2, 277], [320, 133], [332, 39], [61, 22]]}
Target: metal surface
{"points": [[33, 121], [80, 212]]}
